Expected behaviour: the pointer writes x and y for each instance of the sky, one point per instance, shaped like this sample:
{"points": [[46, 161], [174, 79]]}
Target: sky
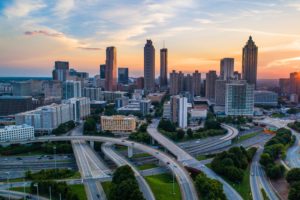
{"points": [[197, 33]]}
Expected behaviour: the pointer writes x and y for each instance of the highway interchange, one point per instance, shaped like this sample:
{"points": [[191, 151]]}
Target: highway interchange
{"points": [[92, 168]]}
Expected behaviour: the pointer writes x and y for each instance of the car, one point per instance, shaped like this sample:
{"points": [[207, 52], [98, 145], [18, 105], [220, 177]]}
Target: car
{"points": [[98, 196], [18, 158]]}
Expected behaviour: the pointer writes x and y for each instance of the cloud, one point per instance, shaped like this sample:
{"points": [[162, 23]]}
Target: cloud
{"points": [[63, 8], [23, 8], [90, 48], [43, 32]]}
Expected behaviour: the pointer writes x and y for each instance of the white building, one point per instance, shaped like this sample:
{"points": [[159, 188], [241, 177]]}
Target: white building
{"points": [[45, 119], [179, 107], [95, 94], [16, 133]]}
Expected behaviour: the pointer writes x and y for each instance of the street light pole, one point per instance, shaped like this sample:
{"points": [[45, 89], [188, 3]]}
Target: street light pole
{"points": [[24, 188], [54, 148], [50, 192], [59, 196], [37, 190], [8, 184]]}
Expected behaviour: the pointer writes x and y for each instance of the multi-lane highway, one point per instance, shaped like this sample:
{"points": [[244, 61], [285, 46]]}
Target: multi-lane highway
{"points": [[187, 160], [90, 166], [120, 161], [184, 180]]}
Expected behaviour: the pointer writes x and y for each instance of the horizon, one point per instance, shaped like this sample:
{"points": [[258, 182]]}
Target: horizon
{"points": [[197, 35]]}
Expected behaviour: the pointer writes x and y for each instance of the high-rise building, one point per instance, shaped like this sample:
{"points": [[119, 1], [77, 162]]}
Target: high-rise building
{"points": [[163, 68], [71, 89], [295, 83], [102, 71], [196, 85], [16, 133], [61, 71], [145, 105], [239, 98], [211, 78], [284, 86], [174, 83], [123, 75], [249, 62], [220, 91], [149, 67], [111, 69], [139, 83], [52, 88], [179, 110], [226, 68]]}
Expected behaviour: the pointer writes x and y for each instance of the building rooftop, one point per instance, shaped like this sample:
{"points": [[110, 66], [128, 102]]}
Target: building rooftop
{"points": [[12, 127], [15, 97]]}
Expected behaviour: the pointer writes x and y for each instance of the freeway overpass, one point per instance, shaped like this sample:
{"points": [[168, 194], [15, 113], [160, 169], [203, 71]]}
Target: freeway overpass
{"points": [[184, 180]]}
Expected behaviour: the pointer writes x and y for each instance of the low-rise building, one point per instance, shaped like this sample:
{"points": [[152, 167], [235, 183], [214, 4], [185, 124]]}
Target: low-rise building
{"points": [[16, 133], [156, 97], [118, 123], [267, 98]]}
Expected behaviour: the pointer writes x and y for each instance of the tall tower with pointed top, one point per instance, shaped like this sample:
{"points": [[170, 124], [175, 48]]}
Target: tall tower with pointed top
{"points": [[249, 62], [111, 69]]}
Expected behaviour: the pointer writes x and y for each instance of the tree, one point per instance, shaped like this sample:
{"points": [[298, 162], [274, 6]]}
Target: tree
{"points": [[166, 125], [90, 125], [180, 134], [293, 175], [143, 128], [209, 189], [294, 193], [265, 159], [212, 124], [275, 171], [189, 132]]}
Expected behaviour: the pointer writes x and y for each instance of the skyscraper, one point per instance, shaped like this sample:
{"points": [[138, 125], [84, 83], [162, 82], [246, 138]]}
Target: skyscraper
{"points": [[249, 62], [211, 78], [149, 67], [102, 71], [226, 68], [111, 69], [61, 71], [163, 68], [123, 75], [179, 110], [174, 83]]}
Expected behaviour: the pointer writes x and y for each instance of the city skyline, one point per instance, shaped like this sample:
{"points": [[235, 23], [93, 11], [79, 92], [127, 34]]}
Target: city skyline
{"points": [[36, 33]]}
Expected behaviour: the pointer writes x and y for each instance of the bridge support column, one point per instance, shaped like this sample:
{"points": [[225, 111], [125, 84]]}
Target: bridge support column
{"points": [[92, 143], [152, 141], [130, 152]]}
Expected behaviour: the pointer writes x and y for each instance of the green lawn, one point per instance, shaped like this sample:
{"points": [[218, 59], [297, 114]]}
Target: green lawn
{"points": [[79, 190], [75, 176], [162, 187], [106, 187], [147, 166], [20, 189], [278, 115], [243, 188], [248, 136], [140, 155]]}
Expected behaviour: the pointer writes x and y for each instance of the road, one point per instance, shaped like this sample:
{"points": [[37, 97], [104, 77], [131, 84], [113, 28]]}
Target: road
{"points": [[187, 160], [19, 195], [89, 166], [188, 190], [120, 161]]}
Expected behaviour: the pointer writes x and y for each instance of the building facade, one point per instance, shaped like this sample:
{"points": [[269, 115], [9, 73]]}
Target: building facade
{"points": [[178, 113], [227, 68], [16, 133], [211, 78], [71, 89], [118, 123], [239, 98], [10, 105], [267, 98], [123, 75], [93, 93], [61, 71], [149, 67]]}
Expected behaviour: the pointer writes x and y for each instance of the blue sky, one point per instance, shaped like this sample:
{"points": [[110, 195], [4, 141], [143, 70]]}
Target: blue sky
{"points": [[198, 33]]}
